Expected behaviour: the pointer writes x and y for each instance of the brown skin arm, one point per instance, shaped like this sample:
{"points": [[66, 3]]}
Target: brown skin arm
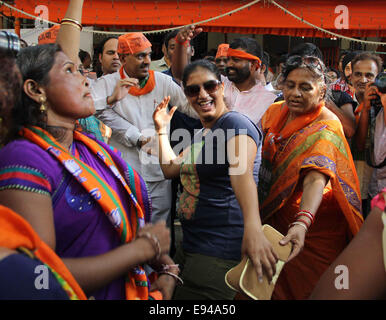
{"points": [[313, 186], [94, 272], [364, 260], [180, 57], [69, 36], [254, 245], [362, 128], [345, 115]]}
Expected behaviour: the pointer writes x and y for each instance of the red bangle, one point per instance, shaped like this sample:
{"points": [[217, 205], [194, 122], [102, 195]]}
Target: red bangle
{"points": [[305, 215], [180, 42], [305, 222]]}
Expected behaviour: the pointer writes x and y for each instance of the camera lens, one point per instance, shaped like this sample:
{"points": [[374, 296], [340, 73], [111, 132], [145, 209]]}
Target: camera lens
{"points": [[9, 43], [380, 82]]}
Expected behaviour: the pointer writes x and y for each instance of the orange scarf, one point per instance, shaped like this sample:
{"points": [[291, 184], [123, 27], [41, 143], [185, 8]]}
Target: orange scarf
{"points": [[149, 86], [276, 132], [15, 233], [242, 55], [104, 195]]}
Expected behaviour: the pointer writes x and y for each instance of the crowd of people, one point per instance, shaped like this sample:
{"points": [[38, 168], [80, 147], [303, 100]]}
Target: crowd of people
{"points": [[97, 165]]}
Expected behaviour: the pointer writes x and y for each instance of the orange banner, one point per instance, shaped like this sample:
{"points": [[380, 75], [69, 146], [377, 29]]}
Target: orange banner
{"points": [[366, 19]]}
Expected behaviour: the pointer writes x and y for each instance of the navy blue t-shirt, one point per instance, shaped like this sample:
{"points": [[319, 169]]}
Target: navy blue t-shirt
{"points": [[210, 214]]}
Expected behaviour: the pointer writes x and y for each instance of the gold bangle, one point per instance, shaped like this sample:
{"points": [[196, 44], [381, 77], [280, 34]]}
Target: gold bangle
{"points": [[162, 133], [73, 22]]}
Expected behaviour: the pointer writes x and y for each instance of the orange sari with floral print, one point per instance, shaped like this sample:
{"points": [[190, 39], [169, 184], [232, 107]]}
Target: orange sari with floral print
{"points": [[319, 145]]}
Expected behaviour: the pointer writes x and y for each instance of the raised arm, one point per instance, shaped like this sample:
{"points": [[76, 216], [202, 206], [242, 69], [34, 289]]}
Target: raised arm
{"points": [[180, 56], [363, 125], [169, 162], [69, 35]]}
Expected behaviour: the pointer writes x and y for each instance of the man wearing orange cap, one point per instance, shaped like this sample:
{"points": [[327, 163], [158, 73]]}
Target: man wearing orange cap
{"points": [[242, 91], [125, 101], [222, 57]]}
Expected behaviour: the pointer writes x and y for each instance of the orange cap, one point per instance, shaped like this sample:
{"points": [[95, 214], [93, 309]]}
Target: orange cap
{"points": [[222, 50], [133, 42], [49, 36]]}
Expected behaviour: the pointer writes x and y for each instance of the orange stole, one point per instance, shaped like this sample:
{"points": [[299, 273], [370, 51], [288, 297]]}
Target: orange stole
{"points": [[149, 86], [15, 232]]}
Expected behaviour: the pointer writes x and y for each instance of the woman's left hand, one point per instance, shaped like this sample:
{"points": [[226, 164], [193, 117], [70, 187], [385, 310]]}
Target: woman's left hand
{"points": [[296, 235], [165, 284]]}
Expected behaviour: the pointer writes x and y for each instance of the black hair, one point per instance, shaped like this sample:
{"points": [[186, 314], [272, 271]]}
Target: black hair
{"points": [[204, 64], [306, 49], [367, 56], [170, 35], [34, 62], [101, 44], [250, 45], [266, 61], [83, 55]]}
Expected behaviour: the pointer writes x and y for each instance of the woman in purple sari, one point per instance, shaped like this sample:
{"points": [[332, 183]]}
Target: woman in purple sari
{"points": [[78, 194]]}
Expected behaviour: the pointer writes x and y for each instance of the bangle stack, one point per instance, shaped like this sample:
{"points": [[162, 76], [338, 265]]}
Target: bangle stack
{"points": [[72, 22], [154, 241], [183, 43], [302, 222], [166, 269]]}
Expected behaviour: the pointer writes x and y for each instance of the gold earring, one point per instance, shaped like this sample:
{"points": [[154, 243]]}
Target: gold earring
{"points": [[43, 107]]}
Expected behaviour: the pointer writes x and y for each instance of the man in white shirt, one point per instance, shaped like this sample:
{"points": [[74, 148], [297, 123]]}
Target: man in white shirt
{"points": [[242, 91], [125, 101]]}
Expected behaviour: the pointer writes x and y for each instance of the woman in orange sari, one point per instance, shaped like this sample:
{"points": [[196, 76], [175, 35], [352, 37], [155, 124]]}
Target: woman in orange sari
{"points": [[309, 189]]}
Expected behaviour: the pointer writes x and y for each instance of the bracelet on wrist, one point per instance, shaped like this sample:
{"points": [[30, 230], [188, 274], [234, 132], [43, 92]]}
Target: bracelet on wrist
{"points": [[176, 277], [154, 242], [183, 43], [298, 223]]}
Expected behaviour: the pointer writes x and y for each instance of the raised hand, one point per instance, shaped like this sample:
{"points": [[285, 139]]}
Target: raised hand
{"points": [[121, 89], [161, 116], [188, 33]]}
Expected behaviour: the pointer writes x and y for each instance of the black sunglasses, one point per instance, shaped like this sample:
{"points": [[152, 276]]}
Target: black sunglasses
{"points": [[209, 86]]}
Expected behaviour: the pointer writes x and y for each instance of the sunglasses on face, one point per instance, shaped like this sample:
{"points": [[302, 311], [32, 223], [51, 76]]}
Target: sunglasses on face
{"points": [[209, 86]]}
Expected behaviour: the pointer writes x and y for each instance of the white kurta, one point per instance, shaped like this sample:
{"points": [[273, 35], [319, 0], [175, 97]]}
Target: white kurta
{"points": [[253, 103]]}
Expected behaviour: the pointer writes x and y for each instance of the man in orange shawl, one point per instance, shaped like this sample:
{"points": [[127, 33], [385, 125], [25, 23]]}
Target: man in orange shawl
{"points": [[311, 141]]}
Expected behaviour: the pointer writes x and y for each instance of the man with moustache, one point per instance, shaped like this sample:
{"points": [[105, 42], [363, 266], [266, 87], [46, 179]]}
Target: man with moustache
{"points": [[365, 67], [125, 101], [242, 91]]}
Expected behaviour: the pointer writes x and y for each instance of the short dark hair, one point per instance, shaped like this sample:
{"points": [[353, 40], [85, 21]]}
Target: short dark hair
{"points": [[170, 35], [306, 49], [266, 61], [204, 64], [367, 56], [83, 55], [101, 45], [250, 45]]}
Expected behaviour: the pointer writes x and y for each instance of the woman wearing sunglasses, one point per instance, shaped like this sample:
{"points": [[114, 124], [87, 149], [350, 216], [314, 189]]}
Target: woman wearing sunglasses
{"points": [[308, 184], [218, 207]]}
